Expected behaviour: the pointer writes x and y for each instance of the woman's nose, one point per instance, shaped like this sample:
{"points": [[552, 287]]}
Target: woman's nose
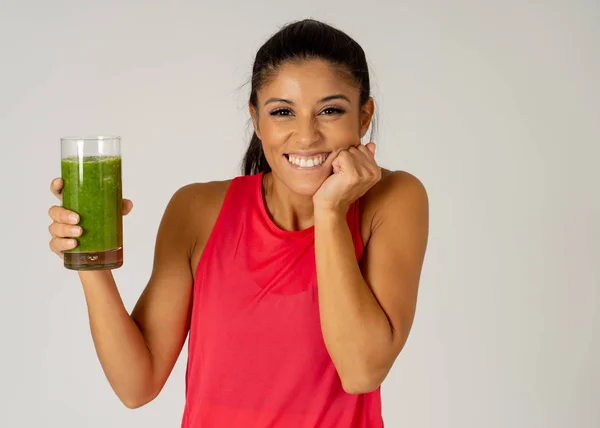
{"points": [[307, 131]]}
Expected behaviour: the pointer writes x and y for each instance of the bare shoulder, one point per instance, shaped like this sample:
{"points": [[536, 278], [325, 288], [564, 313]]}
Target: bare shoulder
{"points": [[396, 186], [195, 210], [201, 196], [398, 194]]}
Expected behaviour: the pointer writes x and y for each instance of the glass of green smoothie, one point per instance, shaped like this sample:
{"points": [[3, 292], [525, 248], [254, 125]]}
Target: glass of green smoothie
{"points": [[91, 172]]}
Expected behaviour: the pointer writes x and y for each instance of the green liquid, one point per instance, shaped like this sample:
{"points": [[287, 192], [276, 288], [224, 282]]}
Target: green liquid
{"points": [[92, 189]]}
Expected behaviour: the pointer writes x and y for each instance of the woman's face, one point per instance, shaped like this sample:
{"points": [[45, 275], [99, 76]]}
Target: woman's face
{"points": [[305, 116]]}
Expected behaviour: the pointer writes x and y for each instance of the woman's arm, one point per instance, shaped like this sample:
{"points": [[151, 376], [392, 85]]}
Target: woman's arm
{"points": [[366, 316], [138, 352]]}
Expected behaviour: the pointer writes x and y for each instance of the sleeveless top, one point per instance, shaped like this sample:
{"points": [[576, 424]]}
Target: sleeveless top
{"points": [[256, 354]]}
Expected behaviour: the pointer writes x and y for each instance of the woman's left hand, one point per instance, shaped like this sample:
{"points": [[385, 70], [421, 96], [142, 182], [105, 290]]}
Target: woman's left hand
{"points": [[354, 173]]}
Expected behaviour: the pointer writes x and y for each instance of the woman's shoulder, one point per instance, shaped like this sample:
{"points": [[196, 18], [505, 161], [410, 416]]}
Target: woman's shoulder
{"points": [[396, 191], [394, 184], [212, 192], [204, 193], [197, 206], [198, 203]]}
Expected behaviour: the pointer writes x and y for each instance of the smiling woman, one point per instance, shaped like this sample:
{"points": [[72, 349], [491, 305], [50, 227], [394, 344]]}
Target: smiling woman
{"points": [[297, 281], [309, 113]]}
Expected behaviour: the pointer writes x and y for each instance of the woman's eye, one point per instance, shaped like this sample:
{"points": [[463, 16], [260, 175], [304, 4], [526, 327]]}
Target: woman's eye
{"points": [[329, 111], [281, 112], [332, 110]]}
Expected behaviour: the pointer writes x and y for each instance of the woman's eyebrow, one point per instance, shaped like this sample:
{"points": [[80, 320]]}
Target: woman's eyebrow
{"points": [[335, 97], [278, 100], [322, 100]]}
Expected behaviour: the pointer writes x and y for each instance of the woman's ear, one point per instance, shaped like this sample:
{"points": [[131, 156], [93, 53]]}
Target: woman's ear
{"points": [[254, 116], [366, 114]]}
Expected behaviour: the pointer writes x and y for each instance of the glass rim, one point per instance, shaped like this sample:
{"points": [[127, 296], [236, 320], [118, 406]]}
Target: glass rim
{"points": [[90, 138]]}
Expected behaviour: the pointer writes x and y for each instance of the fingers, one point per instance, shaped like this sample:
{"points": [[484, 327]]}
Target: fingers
{"points": [[370, 147], [58, 245], [361, 155], [341, 158], [355, 151], [364, 161], [64, 226], [56, 187], [367, 150], [62, 215], [63, 229], [59, 230]]}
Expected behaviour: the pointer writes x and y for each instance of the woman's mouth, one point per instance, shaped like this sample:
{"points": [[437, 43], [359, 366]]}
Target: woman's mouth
{"points": [[306, 161]]}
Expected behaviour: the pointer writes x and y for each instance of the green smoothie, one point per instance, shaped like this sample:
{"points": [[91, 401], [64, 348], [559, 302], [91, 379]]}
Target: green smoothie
{"points": [[92, 189]]}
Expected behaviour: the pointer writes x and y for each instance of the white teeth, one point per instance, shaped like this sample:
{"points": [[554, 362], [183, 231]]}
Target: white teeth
{"points": [[307, 162]]}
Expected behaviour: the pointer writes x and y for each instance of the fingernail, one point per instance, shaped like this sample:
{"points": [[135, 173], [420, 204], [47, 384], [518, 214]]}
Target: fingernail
{"points": [[73, 218], [72, 243], [76, 231]]}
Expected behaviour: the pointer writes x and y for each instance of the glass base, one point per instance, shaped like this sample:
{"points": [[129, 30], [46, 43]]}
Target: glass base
{"points": [[98, 260]]}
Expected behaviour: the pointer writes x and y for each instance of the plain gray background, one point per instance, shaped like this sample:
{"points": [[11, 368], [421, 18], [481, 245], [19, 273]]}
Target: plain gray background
{"points": [[494, 105]]}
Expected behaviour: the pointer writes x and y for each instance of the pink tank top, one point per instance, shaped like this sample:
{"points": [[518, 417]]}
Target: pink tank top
{"points": [[256, 355]]}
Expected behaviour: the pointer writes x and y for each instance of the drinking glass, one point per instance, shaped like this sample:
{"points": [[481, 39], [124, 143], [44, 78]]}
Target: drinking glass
{"points": [[91, 172]]}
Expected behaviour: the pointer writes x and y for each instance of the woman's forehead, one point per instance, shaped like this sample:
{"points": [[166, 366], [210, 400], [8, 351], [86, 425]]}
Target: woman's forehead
{"points": [[308, 80]]}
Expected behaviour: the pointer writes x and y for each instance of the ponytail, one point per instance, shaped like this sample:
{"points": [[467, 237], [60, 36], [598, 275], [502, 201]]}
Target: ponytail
{"points": [[254, 159]]}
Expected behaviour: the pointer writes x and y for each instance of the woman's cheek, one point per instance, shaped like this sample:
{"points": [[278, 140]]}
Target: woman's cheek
{"points": [[275, 134], [343, 136]]}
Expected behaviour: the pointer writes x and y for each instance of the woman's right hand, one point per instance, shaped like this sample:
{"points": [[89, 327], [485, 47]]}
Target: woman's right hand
{"points": [[64, 227]]}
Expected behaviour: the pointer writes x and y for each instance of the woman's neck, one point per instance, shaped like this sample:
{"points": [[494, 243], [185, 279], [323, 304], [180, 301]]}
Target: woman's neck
{"points": [[288, 210]]}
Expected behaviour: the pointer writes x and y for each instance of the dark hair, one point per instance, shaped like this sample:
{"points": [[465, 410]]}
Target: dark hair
{"points": [[298, 41]]}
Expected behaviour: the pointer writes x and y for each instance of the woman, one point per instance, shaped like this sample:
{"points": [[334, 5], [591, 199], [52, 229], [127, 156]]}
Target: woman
{"points": [[297, 282]]}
